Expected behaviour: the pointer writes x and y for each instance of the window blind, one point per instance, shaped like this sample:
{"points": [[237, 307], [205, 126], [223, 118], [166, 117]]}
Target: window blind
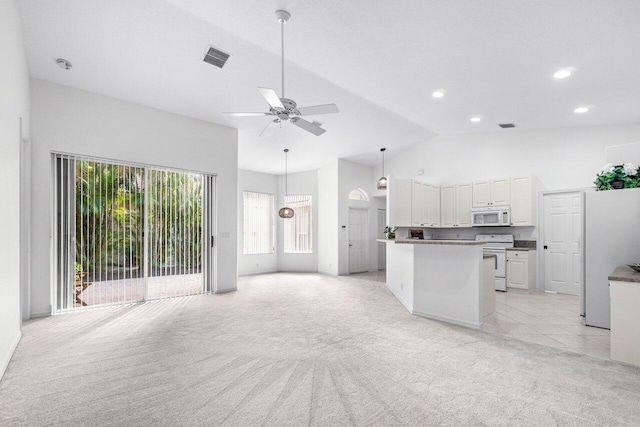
{"points": [[258, 223], [126, 233], [298, 230]]}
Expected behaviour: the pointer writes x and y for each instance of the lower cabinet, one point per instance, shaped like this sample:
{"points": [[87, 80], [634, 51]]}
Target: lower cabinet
{"points": [[521, 269]]}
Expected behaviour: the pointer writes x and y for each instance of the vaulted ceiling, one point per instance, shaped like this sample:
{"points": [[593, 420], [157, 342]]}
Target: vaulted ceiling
{"points": [[378, 60]]}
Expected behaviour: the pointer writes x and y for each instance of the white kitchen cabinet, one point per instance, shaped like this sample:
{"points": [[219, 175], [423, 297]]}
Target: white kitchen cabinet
{"points": [[417, 204], [463, 205], [423, 211], [521, 269], [625, 320], [523, 201], [495, 192], [456, 206], [481, 194], [448, 206], [434, 205], [399, 206]]}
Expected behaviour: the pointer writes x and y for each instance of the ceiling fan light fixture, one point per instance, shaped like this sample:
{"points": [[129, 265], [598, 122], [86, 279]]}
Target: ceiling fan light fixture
{"points": [[285, 109], [382, 182]]}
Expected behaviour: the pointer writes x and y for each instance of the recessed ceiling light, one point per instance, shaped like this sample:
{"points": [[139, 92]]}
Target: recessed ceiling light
{"points": [[475, 119], [580, 110], [438, 94], [564, 73]]}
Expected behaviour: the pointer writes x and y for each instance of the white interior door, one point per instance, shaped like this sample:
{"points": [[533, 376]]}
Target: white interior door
{"points": [[382, 247], [358, 231], [562, 236]]}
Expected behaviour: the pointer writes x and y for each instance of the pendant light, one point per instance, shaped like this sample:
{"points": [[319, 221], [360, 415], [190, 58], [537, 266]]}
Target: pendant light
{"points": [[382, 182], [286, 212]]}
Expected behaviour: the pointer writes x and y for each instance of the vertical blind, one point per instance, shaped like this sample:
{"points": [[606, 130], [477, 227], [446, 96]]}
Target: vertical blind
{"points": [[258, 223], [126, 233], [298, 230]]}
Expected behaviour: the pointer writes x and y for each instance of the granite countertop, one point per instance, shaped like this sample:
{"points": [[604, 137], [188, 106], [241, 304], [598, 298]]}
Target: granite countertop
{"points": [[385, 240], [438, 242], [521, 249], [625, 274]]}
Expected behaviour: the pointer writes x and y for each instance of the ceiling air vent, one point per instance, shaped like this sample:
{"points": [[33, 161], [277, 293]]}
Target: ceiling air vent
{"points": [[216, 57], [507, 125]]}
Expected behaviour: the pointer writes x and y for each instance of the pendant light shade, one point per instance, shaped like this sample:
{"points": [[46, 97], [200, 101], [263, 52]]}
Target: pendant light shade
{"points": [[382, 182], [286, 212]]}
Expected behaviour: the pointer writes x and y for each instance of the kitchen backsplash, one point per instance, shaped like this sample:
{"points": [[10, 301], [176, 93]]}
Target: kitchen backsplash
{"points": [[529, 244], [528, 234]]}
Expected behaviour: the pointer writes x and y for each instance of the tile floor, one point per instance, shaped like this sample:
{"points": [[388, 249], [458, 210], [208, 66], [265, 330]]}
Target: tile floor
{"points": [[543, 318], [547, 319]]}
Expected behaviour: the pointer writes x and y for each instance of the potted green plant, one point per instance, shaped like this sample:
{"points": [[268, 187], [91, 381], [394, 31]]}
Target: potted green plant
{"points": [[616, 177], [390, 232]]}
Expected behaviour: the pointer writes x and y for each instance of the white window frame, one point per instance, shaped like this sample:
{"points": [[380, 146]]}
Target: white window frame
{"points": [[300, 225], [264, 209]]}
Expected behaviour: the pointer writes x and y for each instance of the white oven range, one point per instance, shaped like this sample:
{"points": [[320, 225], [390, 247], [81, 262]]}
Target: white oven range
{"points": [[497, 244]]}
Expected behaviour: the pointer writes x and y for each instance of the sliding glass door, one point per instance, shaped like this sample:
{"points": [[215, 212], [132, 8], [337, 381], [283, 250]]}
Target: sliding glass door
{"points": [[126, 233]]}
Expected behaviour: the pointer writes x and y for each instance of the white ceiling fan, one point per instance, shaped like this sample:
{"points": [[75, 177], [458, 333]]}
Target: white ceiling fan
{"points": [[285, 108]]}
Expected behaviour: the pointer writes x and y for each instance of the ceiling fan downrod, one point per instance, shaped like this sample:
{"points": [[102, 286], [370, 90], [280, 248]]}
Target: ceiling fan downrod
{"points": [[283, 16]]}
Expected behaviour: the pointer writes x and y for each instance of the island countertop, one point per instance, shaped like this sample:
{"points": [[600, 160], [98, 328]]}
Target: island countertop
{"points": [[625, 274], [438, 242]]}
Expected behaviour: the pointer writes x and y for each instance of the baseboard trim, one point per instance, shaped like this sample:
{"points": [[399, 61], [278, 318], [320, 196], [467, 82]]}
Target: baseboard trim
{"points": [[403, 302], [448, 320], [5, 362], [38, 315], [225, 291]]}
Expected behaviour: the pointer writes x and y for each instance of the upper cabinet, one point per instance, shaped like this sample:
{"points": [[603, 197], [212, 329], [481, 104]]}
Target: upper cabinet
{"points": [[456, 206], [417, 204], [434, 203], [412, 203], [448, 206], [523, 201], [425, 205], [463, 205], [500, 192], [495, 192]]}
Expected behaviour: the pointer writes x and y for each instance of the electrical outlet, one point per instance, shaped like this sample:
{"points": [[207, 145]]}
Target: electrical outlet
{"points": [[257, 265], [457, 235], [401, 286], [517, 235]]}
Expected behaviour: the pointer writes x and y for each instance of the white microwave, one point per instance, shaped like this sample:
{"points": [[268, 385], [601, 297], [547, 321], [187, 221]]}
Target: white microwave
{"points": [[494, 216]]}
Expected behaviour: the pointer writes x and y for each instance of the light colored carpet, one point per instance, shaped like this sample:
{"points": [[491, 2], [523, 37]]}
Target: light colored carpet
{"points": [[299, 349]]}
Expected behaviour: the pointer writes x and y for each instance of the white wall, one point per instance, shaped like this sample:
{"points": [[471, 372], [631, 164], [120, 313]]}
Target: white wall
{"points": [[259, 183], [625, 153], [79, 122], [559, 158], [299, 183], [14, 105], [328, 228]]}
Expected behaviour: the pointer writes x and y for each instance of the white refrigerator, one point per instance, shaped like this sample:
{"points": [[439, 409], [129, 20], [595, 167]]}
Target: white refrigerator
{"points": [[611, 239]]}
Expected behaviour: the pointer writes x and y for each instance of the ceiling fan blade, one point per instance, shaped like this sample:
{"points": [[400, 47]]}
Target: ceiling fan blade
{"points": [[271, 96], [266, 132], [309, 127], [247, 114], [318, 109]]}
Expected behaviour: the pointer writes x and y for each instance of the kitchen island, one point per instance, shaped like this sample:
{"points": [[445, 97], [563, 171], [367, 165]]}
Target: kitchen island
{"points": [[440, 279]]}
